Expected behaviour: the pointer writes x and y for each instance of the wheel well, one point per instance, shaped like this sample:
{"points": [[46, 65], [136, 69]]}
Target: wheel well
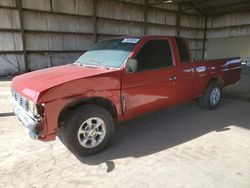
{"points": [[215, 80], [212, 80], [99, 101]]}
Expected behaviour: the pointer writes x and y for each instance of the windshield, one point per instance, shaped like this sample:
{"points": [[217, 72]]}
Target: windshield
{"points": [[108, 53]]}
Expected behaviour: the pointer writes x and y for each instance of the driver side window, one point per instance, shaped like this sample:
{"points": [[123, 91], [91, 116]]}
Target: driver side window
{"points": [[154, 54]]}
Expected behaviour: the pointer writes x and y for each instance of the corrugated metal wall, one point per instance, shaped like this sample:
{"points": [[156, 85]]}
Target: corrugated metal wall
{"points": [[228, 36], [10, 39], [57, 32]]}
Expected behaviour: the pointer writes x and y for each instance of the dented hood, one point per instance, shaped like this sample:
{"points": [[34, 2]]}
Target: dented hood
{"points": [[31, 85]]}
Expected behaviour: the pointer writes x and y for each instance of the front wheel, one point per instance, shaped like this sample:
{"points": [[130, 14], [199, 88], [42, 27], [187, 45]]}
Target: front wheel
{"points": [[212, 97], [88, 130]]}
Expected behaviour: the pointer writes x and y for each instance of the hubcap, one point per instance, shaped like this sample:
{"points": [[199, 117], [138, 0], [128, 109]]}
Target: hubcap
{"points": [[91, 132], [215, 96]]}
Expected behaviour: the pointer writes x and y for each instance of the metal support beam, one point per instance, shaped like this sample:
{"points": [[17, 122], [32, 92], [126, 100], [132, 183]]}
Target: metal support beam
{"points": [[20, 10], [94, 20], [51, 6], [178, 20], [204, 39], [145, 17]]}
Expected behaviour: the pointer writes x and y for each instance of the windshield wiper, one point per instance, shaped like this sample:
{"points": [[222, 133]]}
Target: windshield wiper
{"points": [[89, 65]]}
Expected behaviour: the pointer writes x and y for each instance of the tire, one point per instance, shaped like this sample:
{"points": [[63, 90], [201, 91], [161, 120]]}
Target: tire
{"points": [[212, 97], [81, 129]]}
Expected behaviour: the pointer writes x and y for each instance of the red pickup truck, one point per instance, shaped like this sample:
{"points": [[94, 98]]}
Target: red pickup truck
{"points": [[117, 80]]}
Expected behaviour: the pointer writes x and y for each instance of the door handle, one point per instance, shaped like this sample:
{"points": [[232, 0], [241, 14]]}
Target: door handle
{"points": [[172, 78]]}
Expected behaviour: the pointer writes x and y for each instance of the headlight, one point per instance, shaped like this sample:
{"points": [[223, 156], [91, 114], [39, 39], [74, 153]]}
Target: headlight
{"points": [[32, 108]]}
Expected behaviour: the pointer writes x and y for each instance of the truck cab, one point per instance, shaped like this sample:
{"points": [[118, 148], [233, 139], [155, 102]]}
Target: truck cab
{"points": [[119, 79]]}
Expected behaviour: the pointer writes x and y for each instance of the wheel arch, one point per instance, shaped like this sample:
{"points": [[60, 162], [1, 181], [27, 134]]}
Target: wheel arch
{"points": [[98, 101], [216, 79]]}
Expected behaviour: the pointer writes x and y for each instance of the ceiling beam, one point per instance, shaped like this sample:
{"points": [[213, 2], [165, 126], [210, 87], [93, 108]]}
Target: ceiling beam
{"points": [[200, 5], [230, 8]]}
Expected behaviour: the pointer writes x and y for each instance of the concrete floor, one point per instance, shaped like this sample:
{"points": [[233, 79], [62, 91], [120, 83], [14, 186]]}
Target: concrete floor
{"points": [[177, 147]]}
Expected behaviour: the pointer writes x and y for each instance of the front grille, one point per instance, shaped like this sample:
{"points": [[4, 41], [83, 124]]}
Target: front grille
{"points": [[20, 100]]}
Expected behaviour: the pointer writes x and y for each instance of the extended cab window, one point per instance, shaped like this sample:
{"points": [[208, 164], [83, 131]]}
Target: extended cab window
{"points": [[183, 50], [154, 54]]}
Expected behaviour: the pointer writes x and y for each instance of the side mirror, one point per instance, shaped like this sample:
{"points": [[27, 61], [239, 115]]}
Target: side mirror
{"points": [[131, 65]]}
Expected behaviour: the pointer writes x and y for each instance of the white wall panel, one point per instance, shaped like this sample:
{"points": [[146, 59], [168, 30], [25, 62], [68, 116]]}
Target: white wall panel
{"points": [[52, 22], [37, 41], [229, 35], [37, 4], [79, 7], [229, 32], [84, 25], [191, 33], [195, 44], [65, 6], [102, 37], [69, 42], [84, 42], [161, 17], [192, 21], [9, 19], [228, 47], [10, 41], [35, 21], [161, 30], [56, 42], [61, 23], [8, 3], [119, 28], [84, 7], [119, 10], [229, 20]]}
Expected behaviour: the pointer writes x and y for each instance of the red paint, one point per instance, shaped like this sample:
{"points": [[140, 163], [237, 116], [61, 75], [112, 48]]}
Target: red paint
{"points": [[140, 92]]}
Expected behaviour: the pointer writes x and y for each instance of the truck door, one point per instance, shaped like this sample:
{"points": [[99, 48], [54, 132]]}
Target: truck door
{"points": [[186, 69], [154, 84]]}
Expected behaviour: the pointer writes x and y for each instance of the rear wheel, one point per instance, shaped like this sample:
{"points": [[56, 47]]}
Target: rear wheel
{"points": [[212, 97], [88, 130]]}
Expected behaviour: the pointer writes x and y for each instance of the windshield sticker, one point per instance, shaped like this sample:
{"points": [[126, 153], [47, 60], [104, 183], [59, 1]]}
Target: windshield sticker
{"points": [[130, 40]]}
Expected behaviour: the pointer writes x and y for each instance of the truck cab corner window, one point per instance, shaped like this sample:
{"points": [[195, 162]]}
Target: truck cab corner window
{"points": [[155, 54], [183, 50]]}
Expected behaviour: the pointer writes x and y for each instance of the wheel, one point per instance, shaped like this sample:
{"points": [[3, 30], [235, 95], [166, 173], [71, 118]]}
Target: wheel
{"points": [[88, 130], [212, 97]]}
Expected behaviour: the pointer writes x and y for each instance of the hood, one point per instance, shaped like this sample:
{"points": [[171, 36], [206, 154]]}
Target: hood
{"points": [[30, 85]]}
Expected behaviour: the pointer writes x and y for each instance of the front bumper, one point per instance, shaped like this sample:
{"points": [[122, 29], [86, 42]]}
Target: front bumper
{"points": [[29, 123]]}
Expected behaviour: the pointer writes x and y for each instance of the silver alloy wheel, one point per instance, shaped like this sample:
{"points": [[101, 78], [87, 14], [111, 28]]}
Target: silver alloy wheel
{"points": [[91, 132], [215, 96]]}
